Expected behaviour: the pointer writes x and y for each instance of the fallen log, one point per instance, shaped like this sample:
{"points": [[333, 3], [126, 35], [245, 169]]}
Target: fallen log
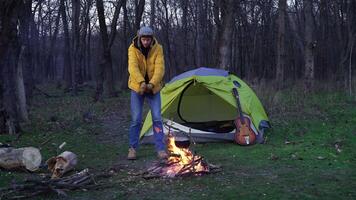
{"points": [[28, 157]]}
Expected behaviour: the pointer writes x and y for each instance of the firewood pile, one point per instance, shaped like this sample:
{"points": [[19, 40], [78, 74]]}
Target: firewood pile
{"points": [[83, 180], [161, 169]]}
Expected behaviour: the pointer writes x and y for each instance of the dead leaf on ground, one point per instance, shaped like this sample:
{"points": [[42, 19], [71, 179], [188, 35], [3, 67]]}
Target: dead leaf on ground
{"points": [[321, 158], [273, 157]]}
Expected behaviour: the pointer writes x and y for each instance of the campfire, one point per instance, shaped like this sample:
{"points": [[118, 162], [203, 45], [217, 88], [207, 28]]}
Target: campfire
{"points": [[181, 162]]}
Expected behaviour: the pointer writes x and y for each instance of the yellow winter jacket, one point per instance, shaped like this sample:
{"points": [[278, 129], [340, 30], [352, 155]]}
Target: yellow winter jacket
{"points": [[138, 65]]}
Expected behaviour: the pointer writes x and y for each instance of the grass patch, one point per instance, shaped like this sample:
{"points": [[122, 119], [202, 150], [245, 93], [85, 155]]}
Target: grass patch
{"points": [[298, 161]]}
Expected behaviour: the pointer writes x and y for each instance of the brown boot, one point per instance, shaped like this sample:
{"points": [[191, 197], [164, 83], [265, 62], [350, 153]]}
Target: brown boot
{"points": [[132, 154], [162, 155]]}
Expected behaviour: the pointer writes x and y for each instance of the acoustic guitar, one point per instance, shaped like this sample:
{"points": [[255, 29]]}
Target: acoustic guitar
{"points": [[244, 135]]}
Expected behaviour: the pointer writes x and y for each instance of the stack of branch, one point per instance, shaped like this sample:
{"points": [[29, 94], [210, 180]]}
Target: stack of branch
{"points": [[82, 180], [159, 169]]}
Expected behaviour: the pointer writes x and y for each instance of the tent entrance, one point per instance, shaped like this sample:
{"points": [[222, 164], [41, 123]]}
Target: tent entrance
{"points": [[200, 108], [212, 126]]}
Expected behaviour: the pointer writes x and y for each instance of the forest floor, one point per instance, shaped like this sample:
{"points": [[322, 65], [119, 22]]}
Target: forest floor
{"points": [[310, 153]]}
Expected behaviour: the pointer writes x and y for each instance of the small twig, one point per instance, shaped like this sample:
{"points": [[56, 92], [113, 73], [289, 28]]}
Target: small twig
{"points": [[172, 162], [81, 180], [45, 142], [28, 196]]}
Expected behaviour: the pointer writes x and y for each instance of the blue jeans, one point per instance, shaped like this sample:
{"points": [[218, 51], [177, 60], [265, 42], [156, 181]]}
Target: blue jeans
{"points": [[154, 101]]}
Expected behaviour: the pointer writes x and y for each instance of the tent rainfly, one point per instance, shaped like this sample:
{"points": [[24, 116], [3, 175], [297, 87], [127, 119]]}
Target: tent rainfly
{"points": [[200, 102]]}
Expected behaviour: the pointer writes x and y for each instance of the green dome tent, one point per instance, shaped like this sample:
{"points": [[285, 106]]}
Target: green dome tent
{"points": [[196, 98]]}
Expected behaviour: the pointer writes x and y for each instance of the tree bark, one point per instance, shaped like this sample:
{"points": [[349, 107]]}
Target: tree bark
{"points": [[309, 47], [350, 68], [27, 40], [105, 40], [67, 58], [125, 41], [166, 38], [281, 50], [224, 61], [185, 32], [84, 42], [50, 58], [351, 38], [153, 13], [34, 40], [323, 59], [139, 6], [200, 32], [20, 92], [76, 44], [9, 55]]}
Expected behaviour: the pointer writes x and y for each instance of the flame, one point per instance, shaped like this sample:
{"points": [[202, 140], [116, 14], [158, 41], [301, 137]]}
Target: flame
{"points": [[180, 158]]}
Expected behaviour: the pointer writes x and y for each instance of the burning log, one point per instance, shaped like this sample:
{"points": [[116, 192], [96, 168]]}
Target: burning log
{"points": [[62, 163], [181, 162], [28, 157], [191, 166]]}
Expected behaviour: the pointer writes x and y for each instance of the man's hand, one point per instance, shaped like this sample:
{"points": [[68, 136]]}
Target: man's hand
{"points": [[149, 88], [143, 88]]}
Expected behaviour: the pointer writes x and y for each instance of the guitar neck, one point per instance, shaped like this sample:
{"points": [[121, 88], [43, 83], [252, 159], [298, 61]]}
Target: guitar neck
{"points": [[240, 109]]}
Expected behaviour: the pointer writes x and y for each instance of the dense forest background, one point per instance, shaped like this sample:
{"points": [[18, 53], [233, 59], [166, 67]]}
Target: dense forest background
{"points": [[74, 42]]}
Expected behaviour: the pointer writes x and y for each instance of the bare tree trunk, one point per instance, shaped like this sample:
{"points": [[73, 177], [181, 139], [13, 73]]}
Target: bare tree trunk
{"points": [[50, 59], [153, 13], [323, 60], [200, 32], [350, 69], [106, 63], [76, 43], [351, 37], [27, 40], [225, 44], [185, 31], [105, 40], [125, 42], [309, 47], [140, 6], [84, 47], [20, 92], [14, 92], [47, 35], [34, 48], [281, 49], [3, 115], [166, 38], [39, 65], [9, 52], [67, 60], [88, 54], [294, 30], [218, 23]]}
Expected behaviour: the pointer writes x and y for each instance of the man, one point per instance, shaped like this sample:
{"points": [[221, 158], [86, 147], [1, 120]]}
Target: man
{"points": [[146, 69]]}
